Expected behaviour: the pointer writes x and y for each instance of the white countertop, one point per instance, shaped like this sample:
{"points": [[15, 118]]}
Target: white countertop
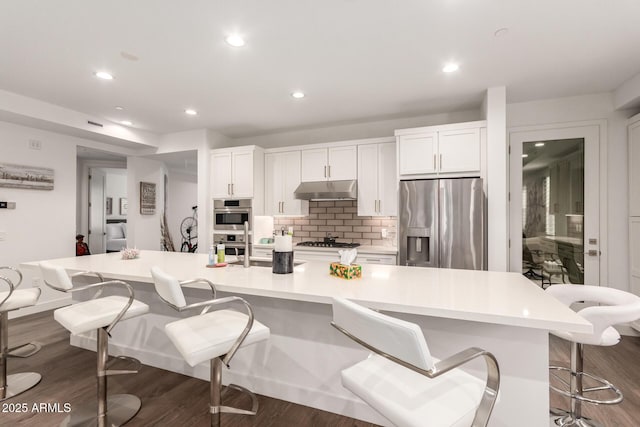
{"points": [[481, 296]]}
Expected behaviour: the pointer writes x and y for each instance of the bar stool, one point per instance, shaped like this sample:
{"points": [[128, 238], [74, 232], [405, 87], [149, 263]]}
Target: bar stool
{"points": [[15, 299], [101, 314], [214, 336], [616, 307], [403, 382]]}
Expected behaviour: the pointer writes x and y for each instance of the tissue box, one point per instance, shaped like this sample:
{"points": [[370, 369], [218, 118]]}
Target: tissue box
{"points": [[353, 271]]}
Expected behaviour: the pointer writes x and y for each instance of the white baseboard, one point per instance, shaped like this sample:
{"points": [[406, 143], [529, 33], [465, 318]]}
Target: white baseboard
{"points": [[40, 307]]}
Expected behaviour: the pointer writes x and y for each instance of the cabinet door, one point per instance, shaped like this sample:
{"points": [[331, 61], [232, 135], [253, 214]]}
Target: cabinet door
{"points": [[342, 163], [242, 170], [459, 150], [634, 169], [314, 165], [291, 167], [316, 256], [273, 183], [221, 175], [417, 153], [387, 180], [368, 180], [376, 259]]}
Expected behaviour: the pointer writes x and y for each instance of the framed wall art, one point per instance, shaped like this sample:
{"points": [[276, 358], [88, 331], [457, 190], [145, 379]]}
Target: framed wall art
{"points": [[147, 198], [109, 206], [123, 205], [27, 177]]}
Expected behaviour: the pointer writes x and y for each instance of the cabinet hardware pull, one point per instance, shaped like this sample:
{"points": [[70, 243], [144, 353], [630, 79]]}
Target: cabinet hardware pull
{"points": [[434, 162], [325, 171], [440, 162], [232, 189], [329, 168], [373, 259], [229, 189], [281, 207]]}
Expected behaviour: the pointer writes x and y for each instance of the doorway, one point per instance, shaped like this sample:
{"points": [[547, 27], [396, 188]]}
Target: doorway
{"points": [[555, 205]]}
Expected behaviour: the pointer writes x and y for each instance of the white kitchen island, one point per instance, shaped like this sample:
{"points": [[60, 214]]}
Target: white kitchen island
{"points": [[501, 312]]}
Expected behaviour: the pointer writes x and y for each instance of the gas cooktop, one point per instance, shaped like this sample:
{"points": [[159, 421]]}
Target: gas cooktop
{"points": [[329, 244]]}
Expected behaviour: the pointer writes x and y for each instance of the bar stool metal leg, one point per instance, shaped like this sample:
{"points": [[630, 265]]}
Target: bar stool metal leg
{"points": [[574, 418], [14, 384], [216, 384], [114, 410]]}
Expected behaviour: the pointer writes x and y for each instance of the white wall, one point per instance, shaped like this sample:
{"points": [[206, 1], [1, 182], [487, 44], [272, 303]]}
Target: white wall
{"points": [[143, 231], [43, 224], [615, 197], [370, 129], [497, 177], [182, 194]]}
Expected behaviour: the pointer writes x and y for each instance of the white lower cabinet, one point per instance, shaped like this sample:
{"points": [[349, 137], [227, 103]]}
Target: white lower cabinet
{"points": [[262, 252], [362, 258]]}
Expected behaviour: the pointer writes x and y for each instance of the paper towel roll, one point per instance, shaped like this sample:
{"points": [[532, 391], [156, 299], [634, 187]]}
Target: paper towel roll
{"points": [[283, 243]]}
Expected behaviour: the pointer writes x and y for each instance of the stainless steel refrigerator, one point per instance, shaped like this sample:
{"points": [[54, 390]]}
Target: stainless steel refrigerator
{"points": [[442, 223]]}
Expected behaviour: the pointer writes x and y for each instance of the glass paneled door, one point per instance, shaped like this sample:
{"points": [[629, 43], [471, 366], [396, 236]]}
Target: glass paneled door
{"points": [[554, 205]]}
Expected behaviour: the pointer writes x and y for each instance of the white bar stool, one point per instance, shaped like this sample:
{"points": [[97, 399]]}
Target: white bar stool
{"points": [[616, 307], [403, 382], [214, 336], [15, 299], [101, 314]]}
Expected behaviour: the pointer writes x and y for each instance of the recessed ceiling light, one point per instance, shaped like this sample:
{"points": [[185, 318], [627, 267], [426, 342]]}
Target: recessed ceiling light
{"points": [[119, 108], [235, 40], [539, 144], [501, 32], [524, 156], [297, 94], [191, 112], [450, 67], [104, 75], [126, 123]]}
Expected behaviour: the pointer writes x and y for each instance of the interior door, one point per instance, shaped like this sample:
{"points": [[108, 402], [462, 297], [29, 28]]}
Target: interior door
{"points": [[97, 213], [555, 204]]}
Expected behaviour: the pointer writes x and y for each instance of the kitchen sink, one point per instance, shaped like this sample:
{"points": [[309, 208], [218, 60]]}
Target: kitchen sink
{"points": [[260, 263]]}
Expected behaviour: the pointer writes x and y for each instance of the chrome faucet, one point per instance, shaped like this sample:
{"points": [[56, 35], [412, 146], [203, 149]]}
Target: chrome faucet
{"points": [[246, 245]]}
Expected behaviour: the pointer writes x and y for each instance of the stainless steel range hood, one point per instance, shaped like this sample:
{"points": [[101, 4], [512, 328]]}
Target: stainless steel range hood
{"points": [[327, 190]]}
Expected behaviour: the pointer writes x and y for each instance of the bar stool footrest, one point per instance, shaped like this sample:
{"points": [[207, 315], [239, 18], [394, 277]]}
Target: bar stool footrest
{"points": [[24, 350], [606, 385], [231, 410], [19, 383], [120, 409], [135, 362]]}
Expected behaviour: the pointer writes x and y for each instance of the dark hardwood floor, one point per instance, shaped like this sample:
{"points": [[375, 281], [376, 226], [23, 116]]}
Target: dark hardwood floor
{"points": [[169, 399]]}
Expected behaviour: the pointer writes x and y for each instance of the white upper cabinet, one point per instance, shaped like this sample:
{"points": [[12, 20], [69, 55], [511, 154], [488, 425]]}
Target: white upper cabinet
{"points": [[282, 177], [377, 186], [221, 174], [237, 173], [449, 150], [314, 164], [342, 163], [417, 153], [459, 150], [332, 164]]}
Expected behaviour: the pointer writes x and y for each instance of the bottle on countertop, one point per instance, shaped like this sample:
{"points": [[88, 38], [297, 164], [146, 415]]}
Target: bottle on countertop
{"points": [[220, 252], [212, 259]]}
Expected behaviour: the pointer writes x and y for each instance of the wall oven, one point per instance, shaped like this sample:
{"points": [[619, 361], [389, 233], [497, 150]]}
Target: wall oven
{"points": [[231, 214]]}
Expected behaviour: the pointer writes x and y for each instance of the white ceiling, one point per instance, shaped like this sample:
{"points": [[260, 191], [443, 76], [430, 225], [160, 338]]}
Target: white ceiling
{"points": [[355, 59]]}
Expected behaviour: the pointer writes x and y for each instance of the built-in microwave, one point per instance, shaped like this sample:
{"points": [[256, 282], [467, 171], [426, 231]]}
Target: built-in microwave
{"points": [[231, 214]]}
